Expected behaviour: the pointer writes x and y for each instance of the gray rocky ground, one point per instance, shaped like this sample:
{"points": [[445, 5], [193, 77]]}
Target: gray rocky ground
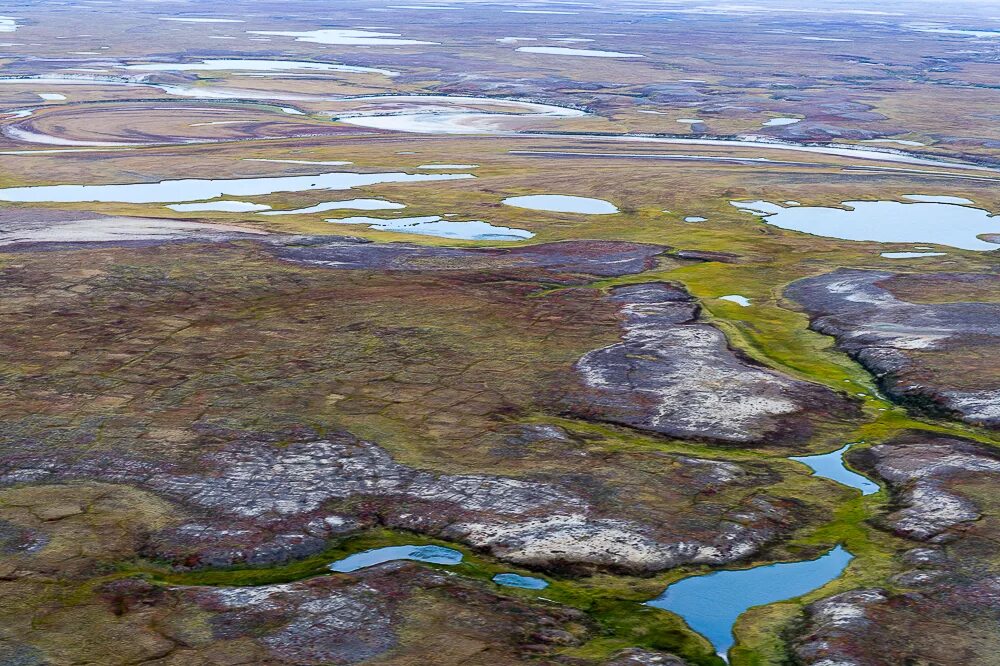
{"points": [[674, 375], [909, 346], [266, 504]]}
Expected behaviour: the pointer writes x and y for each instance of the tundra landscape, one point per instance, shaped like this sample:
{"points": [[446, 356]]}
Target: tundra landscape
{"points": [[468, 332]]}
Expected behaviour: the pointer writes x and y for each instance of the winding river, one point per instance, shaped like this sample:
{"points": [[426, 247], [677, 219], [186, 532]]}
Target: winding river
{"points": [[447, 114]]}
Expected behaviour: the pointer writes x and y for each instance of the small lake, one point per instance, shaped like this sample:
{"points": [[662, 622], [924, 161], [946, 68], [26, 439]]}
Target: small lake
{"points": [[169, 191], [370, 558], [885, 222], [711, 604], [781, 122], [350, 204], [517, 580], [831, 466], [561, 203], [435, 225]]}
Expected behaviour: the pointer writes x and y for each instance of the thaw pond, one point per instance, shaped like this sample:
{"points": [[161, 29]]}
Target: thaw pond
{"points": [[350, 204], [561, 203], [885, 222], [168, 191], [831, 466], [434, 225], [781, 122], [370, 558], [710, 604], [911, 255], [517, 580]]}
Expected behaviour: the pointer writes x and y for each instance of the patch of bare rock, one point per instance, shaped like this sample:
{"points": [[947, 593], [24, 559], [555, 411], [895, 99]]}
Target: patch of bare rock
{"points": [[896, 340], [921, 470], [674, 375]]}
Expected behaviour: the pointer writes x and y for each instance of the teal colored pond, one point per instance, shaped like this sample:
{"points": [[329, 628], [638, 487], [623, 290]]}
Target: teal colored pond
{"points": [[831, 466], [710, 604], [369, 558], [516, 580]]}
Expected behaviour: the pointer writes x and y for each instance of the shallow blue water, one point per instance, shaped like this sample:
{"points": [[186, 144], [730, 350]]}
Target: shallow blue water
{"points": [[516, 580], [886, 221], [369, 558], [563, 203], [435, 225], [711, 603], [831, 466]]}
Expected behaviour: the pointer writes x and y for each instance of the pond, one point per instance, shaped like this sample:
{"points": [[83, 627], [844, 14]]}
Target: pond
{"points": [[831, 466], [370, 558], [350, 204], [435, 225], [517, 580], [561, 203], [711, 604], [885, 222], [781, 122]]}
